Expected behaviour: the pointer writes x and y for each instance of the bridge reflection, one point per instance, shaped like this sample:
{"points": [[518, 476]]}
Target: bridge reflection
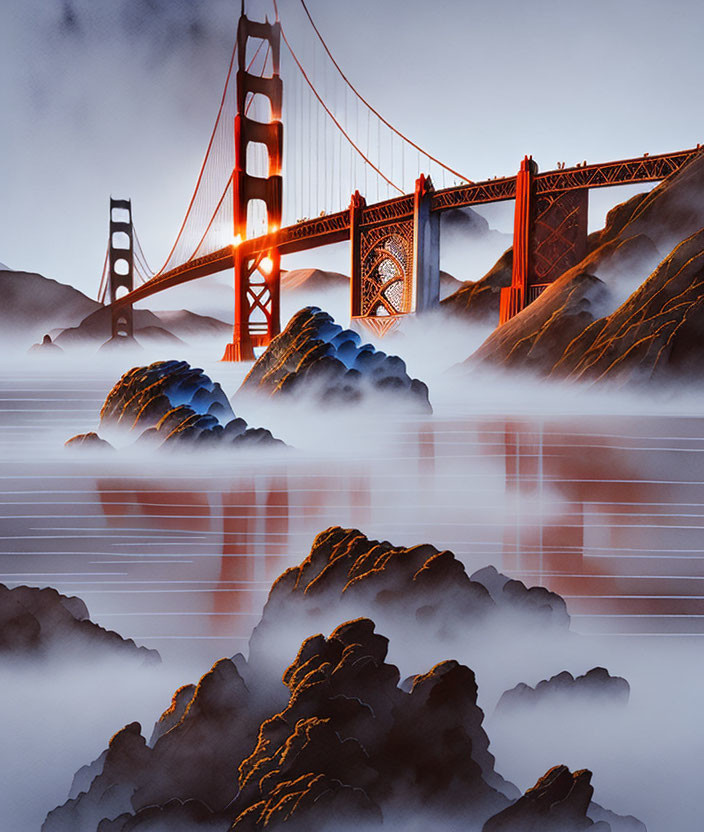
{"points": [[607, 514], [610, 520]]}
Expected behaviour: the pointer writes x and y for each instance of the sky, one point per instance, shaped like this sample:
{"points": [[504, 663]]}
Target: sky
{"points": [[101, 97]]}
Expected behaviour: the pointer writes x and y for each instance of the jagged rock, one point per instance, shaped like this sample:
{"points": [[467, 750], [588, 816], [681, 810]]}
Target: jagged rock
{"points": [[124, 763], [334, 739], [316, 358], [42, 623], [172, 403], [513, 595], [88, 441], [392, 753], [197, 758], [655, 334], [192, 758], [557, 803], [174, 714], [417, 595], [595, 686]]}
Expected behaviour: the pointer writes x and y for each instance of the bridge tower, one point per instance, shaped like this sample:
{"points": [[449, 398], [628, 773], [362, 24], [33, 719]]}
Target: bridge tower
{"points": [[549, 237], [257, 278], [395, 264], [121, 271]]}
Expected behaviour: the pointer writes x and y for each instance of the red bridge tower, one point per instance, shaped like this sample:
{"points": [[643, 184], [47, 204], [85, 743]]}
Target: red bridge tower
{"points": [[257, 278]]}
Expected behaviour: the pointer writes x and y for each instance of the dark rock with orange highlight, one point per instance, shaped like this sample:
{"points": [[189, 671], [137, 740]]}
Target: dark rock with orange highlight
{"points": [[328, 365], [170, 403]]}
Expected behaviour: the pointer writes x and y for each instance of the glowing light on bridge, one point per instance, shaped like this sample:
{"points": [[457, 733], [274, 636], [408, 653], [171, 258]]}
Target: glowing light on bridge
{"points": [[266, 265], [236, 240]]}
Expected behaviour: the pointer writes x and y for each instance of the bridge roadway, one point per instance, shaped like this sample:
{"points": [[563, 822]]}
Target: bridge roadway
{"points": [[335, 228]]}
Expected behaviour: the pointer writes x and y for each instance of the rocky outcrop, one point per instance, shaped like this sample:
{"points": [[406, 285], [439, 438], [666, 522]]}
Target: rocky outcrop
{"points": [[198, 743], [88, 441], [597, 686], [653, 335], [317, 359], [334, 739], [557, 803], [170, 403], [386, 753], [418, 596], [42, 623], [479, 300]]}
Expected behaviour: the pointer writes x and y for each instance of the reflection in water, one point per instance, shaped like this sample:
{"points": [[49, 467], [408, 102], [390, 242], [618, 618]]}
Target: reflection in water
{"points": [[607, 511], [611, 521]]}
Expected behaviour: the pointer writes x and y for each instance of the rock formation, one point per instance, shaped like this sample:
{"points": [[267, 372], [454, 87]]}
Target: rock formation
{"points": [[88, 441], [352, 747], [316, 358], [170, 402], [42, 623], [417, 595], [596, 686], [340, 742], [557, 803]]}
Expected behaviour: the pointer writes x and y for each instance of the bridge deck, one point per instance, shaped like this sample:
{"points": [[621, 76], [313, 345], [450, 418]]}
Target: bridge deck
{"points": [[334, 228]]}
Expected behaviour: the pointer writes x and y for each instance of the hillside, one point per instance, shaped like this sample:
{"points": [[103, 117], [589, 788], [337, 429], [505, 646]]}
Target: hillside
{"points": [[632, 309], [32, 305]]}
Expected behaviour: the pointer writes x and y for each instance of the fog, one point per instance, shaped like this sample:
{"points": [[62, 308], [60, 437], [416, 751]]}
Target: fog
{"points": [[163, 578]]}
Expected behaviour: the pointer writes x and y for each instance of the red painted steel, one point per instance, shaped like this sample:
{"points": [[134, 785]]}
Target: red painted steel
{"points": [[335, 228], [258, 275]]}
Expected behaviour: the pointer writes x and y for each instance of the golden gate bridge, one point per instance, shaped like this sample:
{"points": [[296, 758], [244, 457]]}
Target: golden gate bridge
{"points": [[350, 176]]}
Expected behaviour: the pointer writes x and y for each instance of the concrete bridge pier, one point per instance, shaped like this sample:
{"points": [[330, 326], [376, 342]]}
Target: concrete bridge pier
{"points": [[426, 249]]}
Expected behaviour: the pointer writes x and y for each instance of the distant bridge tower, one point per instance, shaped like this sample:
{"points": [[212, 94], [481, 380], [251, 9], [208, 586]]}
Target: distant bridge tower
{"points": [[257, 278], [121, 271]]}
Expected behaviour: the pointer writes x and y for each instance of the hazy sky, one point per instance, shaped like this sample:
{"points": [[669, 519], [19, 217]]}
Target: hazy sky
{"points": [[119, 96]]}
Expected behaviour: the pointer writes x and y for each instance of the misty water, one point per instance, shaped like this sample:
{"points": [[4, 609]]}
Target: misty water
{"points": [[597, 497]]}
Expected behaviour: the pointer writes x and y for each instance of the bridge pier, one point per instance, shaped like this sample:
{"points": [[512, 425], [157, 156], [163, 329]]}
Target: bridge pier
{"points": [[549, 237], [426, 249]]}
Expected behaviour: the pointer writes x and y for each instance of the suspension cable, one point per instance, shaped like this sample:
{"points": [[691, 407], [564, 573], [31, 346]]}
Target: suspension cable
{"points": [[102, 289], [364, 100], [325, 107], [212, 219], [205, 159]]}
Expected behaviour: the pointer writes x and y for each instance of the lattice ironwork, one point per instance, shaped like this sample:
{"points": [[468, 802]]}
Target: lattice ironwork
{"points": [[387, 269], [623, 172], [559, 235], [491, 190], [391, 209]]}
